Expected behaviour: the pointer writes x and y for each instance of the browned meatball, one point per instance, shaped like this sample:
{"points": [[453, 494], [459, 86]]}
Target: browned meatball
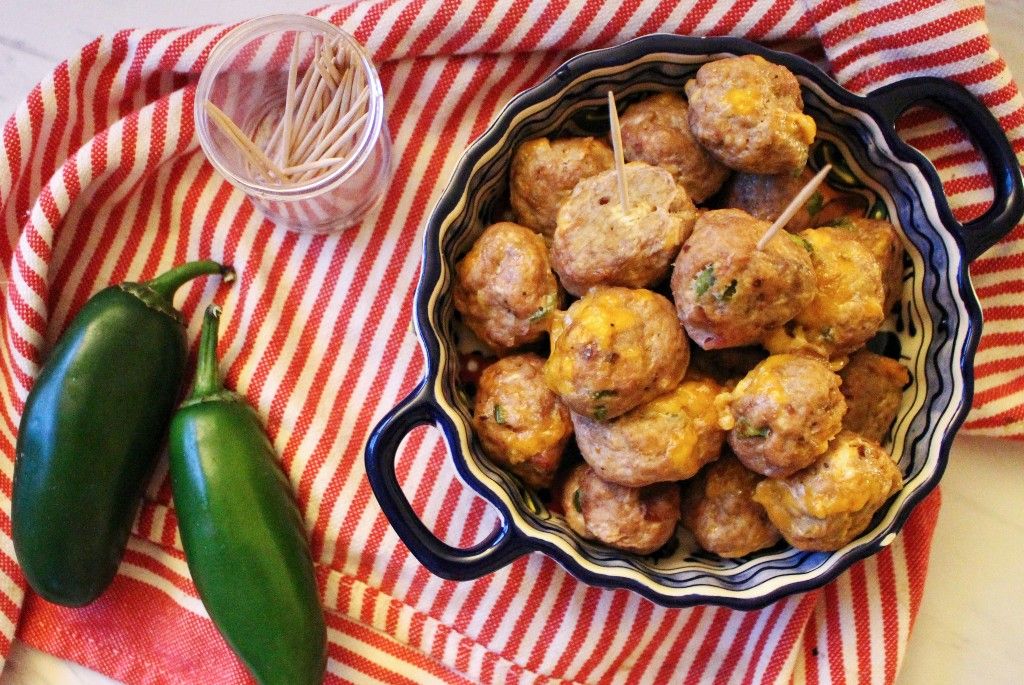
{"points": [[638, 520], [666, 439], [730, 294], [655, 130], [873, 388], [882, 240], [828, 504], [782, 415], [572, 503], [614, 349], [598, 243], [521, 424], [718, 508], [504, 287], [847, 307], [765, 196], [544, 172], [748, 113]]}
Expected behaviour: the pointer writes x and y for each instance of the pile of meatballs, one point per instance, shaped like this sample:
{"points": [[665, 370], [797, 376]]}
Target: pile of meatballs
{"points": [[705, 381]]}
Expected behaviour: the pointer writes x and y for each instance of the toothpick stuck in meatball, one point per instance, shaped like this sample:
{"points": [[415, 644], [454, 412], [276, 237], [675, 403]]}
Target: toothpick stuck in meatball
{"points": [[599, 242]]}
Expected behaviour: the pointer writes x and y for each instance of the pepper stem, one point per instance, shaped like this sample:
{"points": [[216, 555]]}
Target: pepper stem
{"points": [[208, 381], [166, 284]]}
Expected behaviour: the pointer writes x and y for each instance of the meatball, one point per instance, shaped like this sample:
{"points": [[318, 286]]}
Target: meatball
{"points": [[638, 520], [597, 242], [544, 172], [749, 114], [847, 308], [719, 509], [729, 293], [828, 504], [656, 131], [783, 414], [667, 439], [615, 349], [521, 424], [882, 240], [504, 287], [765, 196], [873, 388], [572, 504]]}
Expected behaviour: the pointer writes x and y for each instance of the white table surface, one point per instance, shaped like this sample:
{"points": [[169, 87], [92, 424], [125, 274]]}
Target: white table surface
{"points": [[971, 625]]}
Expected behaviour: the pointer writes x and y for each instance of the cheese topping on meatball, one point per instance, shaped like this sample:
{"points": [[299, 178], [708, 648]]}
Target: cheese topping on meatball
{"points": [[847, 308], [615, 349], [829, 503], [667, 439], [748, 113], [783, 414]]}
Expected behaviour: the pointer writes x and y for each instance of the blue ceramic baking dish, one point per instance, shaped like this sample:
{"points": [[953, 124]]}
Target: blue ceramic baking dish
{"points": [[935, 334]]}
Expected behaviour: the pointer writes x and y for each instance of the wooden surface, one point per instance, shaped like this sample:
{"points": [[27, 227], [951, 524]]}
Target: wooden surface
{"points": [[970, 629]]}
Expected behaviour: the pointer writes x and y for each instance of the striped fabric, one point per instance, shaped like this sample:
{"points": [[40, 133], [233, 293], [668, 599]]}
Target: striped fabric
{"points": [[101, 180]]}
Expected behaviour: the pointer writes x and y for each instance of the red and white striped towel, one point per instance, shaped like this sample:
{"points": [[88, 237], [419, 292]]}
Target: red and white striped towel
{"points": [[101, 180]]}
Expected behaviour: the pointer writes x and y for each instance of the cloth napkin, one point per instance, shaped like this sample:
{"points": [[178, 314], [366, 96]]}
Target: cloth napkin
{"points": [[101, 180]]}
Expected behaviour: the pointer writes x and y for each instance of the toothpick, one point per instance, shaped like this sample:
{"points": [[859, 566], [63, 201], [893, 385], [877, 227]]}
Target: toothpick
{"points": [[301, 97], [329, 53], [340, 142], [620, 163], [325, 74], [289, 104], [339, 128], [325, 110], [341, 102], [313, 92], [312, 166], [230, 128], [794, 205]]}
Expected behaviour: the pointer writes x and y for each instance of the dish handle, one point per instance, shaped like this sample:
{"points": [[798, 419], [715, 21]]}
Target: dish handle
{"points": [[441, 559], [962, 107]]}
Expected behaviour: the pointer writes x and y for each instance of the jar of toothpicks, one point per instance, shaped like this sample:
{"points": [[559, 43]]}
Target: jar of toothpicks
{"points": [[289, 109]]}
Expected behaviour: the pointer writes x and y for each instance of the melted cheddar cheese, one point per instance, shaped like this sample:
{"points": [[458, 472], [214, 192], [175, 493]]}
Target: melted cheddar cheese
{"points": [[524, 445], [743, 101], [762, 380], [805, 126]]}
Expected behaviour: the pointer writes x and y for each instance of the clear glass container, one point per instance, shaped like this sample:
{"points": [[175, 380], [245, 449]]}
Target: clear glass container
{"points": [[247, 78]]}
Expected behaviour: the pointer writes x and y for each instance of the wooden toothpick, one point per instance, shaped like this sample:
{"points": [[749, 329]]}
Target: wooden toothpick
{"points": [[794, 205], [325, 110], [256, 156], [620, 162], [289, 105]]}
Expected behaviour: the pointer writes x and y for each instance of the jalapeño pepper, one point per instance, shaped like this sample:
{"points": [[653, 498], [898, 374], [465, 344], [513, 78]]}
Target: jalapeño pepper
{"points": [[242, 531], [91, 432]]}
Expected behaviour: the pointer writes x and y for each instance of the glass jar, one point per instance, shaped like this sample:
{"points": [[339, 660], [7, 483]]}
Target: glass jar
{"points": [[247, 78]]}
